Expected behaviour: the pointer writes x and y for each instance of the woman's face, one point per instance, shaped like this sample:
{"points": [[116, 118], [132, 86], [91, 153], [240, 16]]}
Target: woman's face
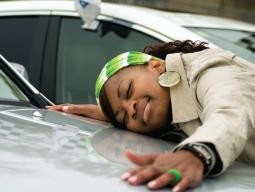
{"points": [[138, 102]]}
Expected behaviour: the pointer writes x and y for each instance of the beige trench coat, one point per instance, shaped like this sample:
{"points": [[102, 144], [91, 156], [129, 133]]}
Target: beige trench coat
{"points": [[215, 102]]}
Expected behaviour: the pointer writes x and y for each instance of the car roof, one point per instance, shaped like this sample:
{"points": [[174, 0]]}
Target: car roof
{"points": [[135, 15], [123, 11], [205, 21]]}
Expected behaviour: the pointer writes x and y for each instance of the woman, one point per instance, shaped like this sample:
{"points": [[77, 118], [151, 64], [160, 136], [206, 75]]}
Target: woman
{"points": [[204, 96]]}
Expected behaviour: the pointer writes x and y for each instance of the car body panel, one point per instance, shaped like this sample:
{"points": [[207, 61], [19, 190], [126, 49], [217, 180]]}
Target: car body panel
{"points": [[205, 21], [44, 152], [70, 153], [134, 15], [236, 36]]}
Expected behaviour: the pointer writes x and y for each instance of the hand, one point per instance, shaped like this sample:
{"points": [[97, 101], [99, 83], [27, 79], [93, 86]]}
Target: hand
{"points": [[152, 170], [87, 110]]}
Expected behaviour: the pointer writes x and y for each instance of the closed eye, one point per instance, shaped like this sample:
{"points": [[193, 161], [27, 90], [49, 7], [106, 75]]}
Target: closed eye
{"points": [[129, 90]]}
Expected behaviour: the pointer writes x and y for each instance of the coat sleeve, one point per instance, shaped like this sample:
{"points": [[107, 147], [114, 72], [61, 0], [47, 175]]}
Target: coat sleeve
{"points": [[226, 94]]}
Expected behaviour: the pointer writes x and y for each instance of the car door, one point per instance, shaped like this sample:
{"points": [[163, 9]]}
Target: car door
{"points": [[79, 54]]}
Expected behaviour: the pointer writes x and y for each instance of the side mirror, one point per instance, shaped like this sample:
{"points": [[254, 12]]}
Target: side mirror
{"points": [[21, 69], [88, 11]]}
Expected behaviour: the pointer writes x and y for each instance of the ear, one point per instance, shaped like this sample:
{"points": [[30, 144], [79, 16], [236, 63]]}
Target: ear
{"points": [[156, 65]]}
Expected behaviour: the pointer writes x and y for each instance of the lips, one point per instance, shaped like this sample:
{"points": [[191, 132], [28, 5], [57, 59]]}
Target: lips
{"points": [[146, 112], [143, 110]]}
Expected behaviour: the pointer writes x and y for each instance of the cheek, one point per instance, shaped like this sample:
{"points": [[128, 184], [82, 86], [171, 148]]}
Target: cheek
{"points": [[161, 107], [149, 86], [136, 126]]}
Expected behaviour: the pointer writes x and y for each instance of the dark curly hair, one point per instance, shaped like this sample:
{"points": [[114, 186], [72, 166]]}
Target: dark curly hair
{"points": [[188, 46], [160, 51]]}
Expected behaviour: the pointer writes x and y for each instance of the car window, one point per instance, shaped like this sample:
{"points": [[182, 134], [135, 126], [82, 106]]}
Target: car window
{"points": [[16, 37], [82, 53], [9, 91], [21, 41], [239, 42]]}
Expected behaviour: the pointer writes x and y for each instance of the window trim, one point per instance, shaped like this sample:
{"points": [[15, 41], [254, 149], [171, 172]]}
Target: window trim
{"points": [[48, 72]]}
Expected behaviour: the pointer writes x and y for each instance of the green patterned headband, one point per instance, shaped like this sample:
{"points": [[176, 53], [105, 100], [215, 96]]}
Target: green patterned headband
{"points": [[117, 63]]}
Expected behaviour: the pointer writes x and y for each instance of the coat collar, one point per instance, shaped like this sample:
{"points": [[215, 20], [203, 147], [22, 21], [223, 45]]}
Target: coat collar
{"points": [[182, 102]]}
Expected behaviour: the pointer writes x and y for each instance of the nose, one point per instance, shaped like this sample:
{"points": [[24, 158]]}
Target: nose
{"points": [[130, 107]]}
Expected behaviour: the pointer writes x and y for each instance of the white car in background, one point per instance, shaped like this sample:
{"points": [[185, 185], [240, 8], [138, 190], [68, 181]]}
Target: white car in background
{"points": [[233, 35]]}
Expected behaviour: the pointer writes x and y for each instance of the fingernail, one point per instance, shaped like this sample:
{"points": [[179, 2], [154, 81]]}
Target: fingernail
{"points": [[125, 175], [152, 184], [65, 108], [132, 179], [176, 189]]}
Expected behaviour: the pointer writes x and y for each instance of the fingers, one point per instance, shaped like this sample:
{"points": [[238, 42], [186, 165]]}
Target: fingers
{"points": [[145, 174], [125, 176], [140, 160], [74, 109], [166, 179], [140, 175], [154, 169], [68, 108], [87, 110], [156, 178], [182, 185], [55, 107], [161, 181]]}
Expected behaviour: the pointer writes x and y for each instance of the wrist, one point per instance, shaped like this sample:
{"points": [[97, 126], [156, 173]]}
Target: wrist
{"points": [[203, 153]]}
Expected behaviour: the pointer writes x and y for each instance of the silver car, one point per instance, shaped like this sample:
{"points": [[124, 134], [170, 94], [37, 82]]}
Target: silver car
{"points": [[47, 38], [43, 150]]}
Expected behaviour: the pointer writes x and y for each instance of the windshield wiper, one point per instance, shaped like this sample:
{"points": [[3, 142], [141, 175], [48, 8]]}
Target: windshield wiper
{"points": [[35, 97]]}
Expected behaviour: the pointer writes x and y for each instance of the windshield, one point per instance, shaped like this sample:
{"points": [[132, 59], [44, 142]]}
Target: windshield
{"points": [[242, 43], [9, 91]]}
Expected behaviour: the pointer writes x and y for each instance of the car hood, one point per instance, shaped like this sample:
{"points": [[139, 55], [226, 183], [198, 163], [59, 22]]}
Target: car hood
{"points": [[44, 150]]}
